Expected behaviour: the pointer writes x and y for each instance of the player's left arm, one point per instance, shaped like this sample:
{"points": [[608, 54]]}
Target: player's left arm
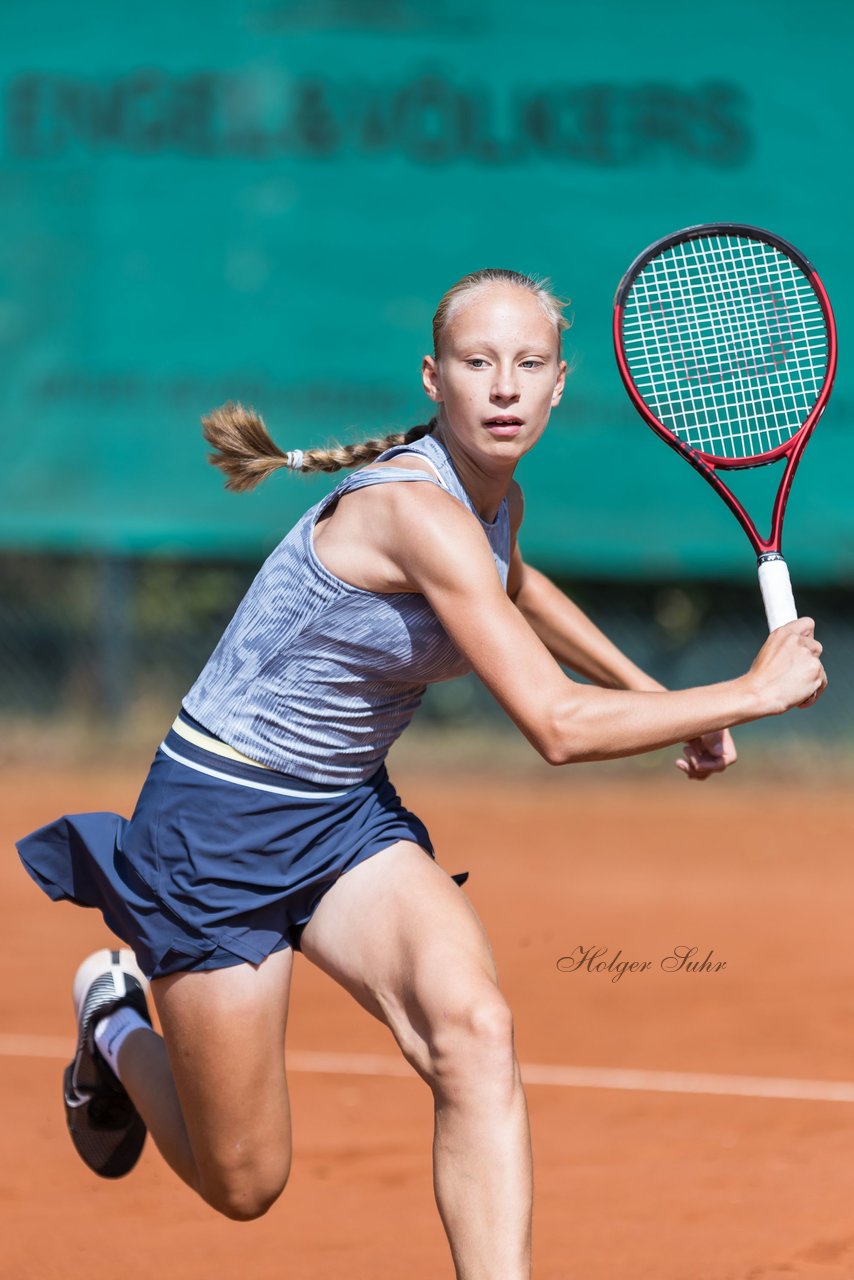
{"points": [[576, 642]]}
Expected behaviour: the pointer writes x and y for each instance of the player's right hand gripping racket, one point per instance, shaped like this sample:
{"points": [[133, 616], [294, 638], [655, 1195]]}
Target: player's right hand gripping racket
{"points": [[726, 343]]}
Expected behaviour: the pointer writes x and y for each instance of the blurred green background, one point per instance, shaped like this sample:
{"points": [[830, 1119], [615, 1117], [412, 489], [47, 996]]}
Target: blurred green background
{"points": [[264, 200]]}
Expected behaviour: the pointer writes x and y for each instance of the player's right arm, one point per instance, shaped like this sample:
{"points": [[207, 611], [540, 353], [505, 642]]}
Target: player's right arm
{"points": [[440, 551]]}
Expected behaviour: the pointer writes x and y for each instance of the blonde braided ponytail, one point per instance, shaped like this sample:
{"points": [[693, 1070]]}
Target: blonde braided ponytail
{"points": [[246, 453], [244, 450]]}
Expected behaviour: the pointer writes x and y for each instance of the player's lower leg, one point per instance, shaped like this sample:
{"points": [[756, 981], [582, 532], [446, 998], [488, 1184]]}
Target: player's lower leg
{"points": [[143, 1068], [482, 1175]]}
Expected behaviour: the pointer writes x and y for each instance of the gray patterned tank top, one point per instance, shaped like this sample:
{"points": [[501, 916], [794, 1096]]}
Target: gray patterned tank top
{"points": [[317, 678]]}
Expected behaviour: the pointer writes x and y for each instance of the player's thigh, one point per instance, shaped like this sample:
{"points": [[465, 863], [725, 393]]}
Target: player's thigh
{"points": [[225, 1036], [400, 935]]}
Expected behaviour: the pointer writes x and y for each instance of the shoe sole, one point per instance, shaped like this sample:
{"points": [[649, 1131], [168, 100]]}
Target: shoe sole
{"points": [[93, 1125]]}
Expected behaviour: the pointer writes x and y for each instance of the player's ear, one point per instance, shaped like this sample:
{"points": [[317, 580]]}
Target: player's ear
{"points": [[559, 384], [430, 378]]}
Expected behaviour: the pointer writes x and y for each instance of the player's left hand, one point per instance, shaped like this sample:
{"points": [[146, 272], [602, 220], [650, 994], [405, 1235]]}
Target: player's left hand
{"points": [[701, 757]]}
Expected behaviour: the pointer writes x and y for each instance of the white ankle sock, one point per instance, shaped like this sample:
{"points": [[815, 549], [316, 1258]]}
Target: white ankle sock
{"points": [[112, 1031]]}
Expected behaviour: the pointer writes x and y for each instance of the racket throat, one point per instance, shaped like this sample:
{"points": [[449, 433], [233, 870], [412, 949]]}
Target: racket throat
{"points": [[776, 587]]}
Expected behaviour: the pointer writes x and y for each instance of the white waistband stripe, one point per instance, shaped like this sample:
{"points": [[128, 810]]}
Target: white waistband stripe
{"points": [[256, 786]]}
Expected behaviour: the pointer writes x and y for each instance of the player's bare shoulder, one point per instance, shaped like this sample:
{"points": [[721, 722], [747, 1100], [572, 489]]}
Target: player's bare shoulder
{"points": [[383, 537]]}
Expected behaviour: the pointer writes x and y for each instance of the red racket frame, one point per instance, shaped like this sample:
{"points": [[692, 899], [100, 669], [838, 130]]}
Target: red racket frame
{"points": [[707, 464]]}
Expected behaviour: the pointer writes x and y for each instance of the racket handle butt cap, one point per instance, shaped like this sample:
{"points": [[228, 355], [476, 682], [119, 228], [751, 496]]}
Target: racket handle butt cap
{"points": [[776, 587]]}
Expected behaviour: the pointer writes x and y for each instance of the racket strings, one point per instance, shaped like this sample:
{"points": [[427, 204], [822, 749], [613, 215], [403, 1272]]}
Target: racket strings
{"points": [[726, 342]]}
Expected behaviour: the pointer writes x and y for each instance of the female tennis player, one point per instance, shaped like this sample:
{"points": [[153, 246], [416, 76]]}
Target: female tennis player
{"points": [[268, 823]]}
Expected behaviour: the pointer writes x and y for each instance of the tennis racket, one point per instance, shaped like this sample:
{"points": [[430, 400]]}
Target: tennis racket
{"points": [[726, 343]]}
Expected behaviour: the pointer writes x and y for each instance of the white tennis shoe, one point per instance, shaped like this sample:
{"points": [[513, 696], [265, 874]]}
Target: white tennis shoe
{"points": [[105, 1127]]}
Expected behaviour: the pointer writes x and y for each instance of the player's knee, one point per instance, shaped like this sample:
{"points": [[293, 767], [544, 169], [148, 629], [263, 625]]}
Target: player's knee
{"points": [[244, 1194], [474, 1042], [243, 1202]]}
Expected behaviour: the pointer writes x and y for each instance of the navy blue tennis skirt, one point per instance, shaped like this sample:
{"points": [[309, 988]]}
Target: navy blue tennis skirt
{"points": [[222, 862]]}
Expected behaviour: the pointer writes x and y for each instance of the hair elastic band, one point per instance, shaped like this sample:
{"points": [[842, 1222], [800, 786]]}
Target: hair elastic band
{"points": [[293, 459]]}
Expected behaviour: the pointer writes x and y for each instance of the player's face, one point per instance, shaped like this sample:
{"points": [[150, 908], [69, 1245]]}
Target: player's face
{"points": [[497, 374]]}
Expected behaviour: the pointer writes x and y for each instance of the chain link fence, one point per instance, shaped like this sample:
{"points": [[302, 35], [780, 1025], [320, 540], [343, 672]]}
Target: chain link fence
{"points": [[107, 641]]}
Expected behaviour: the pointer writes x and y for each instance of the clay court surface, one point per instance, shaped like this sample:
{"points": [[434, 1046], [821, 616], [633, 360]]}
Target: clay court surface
{"points": [[645, 1180]]}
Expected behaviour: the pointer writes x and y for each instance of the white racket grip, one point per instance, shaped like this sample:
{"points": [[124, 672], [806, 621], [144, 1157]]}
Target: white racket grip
{"points": [[776, 587]]}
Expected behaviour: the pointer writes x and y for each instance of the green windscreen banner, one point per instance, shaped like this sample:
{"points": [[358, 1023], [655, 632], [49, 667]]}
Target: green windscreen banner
{"points": [[263, 200]]}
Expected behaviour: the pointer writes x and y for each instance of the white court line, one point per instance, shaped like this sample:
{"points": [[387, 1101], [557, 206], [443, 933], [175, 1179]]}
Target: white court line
{"points": [[12, 1046], [633, 1080]]}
